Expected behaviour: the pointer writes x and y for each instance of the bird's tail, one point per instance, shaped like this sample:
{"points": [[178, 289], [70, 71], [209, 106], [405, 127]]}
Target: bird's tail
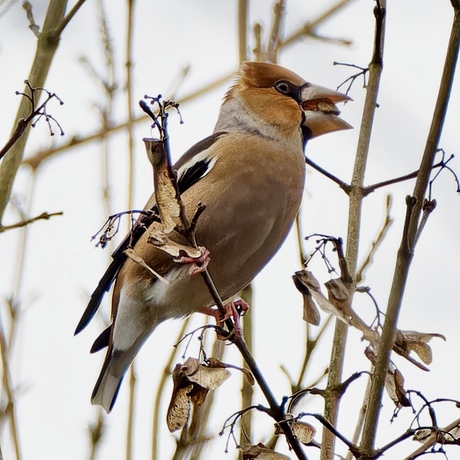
{"points": [[108, 384]]}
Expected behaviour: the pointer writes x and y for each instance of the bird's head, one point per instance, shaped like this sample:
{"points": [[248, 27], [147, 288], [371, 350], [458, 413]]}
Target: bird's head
{"points": [[282, 99]]}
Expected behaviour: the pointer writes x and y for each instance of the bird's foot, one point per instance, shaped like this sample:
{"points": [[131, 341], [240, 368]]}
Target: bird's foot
{"points": [[233, 310], [197, 264]]}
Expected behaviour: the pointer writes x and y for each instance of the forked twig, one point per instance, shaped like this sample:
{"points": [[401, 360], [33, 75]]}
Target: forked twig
{"points": [[36, 114]]}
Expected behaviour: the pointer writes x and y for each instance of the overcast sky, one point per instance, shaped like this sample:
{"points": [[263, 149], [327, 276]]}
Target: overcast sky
{"points": [[53, 371]]}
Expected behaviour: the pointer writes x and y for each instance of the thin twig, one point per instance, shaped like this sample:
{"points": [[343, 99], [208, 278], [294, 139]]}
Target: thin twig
{"points": [[243, 19], [30, 17], [343, 185], [376, 243], [23, 223], [8, 390], [68, 17], [372, 188], [279, 14], [129, 128]]}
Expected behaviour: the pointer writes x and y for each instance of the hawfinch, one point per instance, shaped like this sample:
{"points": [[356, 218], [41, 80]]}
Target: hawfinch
{"points": [[250, 175]]}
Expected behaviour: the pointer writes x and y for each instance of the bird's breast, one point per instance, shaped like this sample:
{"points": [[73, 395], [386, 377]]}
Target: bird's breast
{"points": [[252, 198]]}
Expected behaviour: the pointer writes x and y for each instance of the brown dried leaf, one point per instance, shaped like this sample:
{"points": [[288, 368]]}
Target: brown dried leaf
{"points": [[198, 395], [394, 384], [303, 431], [214, 362], [260, 452], [158, 238], [338, 292], [407, 341], [422, 435], [310, 310], [209, 378], [415, 336], [165, 192], [131, 254], [307, 279], [370, 355], [185, 392], [453, 435], [338, 303], [442, 437], [423, 351], [179, 407]]}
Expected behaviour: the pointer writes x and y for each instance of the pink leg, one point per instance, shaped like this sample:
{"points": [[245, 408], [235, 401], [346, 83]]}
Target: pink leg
{"points": [[197, 264], [233, 310]]}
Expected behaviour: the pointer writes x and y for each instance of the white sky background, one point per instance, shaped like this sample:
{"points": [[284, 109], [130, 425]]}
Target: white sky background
{"points": [[54, 372]]}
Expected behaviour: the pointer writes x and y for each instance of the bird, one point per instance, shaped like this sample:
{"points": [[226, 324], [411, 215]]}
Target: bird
{"points": [[250, 174]]}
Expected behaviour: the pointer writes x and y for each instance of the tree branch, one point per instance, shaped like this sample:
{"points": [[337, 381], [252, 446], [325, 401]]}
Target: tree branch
{"points": [[23, 223], [354, 224]]}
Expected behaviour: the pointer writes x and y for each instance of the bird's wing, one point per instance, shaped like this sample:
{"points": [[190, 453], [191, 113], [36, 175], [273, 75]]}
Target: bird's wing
{"points": [[191, 167]]}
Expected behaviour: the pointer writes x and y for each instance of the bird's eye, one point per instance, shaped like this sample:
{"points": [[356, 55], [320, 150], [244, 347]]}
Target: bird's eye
{"points": [[282, 86]]}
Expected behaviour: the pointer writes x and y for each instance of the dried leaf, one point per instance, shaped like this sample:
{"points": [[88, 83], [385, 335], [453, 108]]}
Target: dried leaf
{"points": [[310, 310], [303, 431], [453, 435], [407, 341], [423, 351], [260, 452], [422, 435], [158, 238], [415, 336], [179, 409], [198, 395], [214, 362], [338, 303], [398, 391], [307, 279], [209, 378], [442, 437], [370, 355], [185, 392], [338, 292], [130, 253], [165, 191]]}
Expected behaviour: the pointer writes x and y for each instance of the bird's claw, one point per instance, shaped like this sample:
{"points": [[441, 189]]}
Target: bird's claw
{"points": [[233, 310], [197, 264]]}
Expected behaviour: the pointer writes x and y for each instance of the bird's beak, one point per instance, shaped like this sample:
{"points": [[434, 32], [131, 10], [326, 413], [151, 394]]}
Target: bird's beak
{"points": [[321, 113]]}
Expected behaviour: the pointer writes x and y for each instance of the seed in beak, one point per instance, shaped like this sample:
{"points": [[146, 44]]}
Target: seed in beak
{"points": [[321, 105]]}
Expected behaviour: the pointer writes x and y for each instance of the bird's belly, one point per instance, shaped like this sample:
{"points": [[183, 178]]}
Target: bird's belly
{"points": [[184, 295]]}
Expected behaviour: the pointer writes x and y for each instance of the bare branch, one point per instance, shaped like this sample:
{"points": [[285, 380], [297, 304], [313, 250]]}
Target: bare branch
{"points": [[354, 222], [23, 223], [30, 16], [376, 243]]}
